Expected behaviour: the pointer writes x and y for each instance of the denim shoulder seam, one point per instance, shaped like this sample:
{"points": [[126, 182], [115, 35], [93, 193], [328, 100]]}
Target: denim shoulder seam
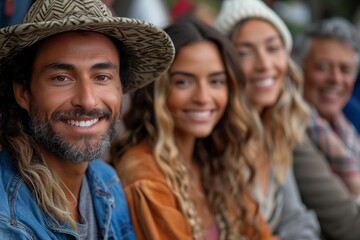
{"points": [[13, 190], [26, 230]]}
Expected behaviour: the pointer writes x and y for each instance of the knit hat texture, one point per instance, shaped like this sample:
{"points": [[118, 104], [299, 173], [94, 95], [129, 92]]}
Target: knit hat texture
{"points": [[234, 11]]}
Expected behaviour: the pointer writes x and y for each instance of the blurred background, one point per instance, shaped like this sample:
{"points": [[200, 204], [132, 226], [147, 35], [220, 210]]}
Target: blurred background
{"points": [[296, 13]]}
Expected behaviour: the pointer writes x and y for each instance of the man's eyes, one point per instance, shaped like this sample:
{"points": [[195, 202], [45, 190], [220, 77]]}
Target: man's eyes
{"points": [[61, 78]]}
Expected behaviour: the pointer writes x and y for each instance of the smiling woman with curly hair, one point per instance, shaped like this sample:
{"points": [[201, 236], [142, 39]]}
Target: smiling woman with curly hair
{"points": [[184, 159], [274, 87]]}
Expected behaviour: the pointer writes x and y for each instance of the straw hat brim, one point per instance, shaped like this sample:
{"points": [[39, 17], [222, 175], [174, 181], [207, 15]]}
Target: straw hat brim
{"points": [[149, 49]]}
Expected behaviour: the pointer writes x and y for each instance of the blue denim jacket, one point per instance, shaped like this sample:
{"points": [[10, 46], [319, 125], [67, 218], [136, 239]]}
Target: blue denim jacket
{"points": [[21, 218]]}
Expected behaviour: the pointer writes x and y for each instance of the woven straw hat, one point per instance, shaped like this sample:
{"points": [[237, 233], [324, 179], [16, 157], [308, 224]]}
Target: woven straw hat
{"points": [[234, 11], [150, 51]]}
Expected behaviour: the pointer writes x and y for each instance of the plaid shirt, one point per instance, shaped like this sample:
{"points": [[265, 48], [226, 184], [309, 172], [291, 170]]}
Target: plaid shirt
{"points": [[340, 144]]}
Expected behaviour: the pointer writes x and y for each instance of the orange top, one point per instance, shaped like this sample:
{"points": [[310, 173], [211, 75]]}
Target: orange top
{"points": [[154, 209]]}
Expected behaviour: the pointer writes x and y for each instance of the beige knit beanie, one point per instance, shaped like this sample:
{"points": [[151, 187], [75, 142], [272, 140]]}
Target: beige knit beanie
{"points": [[234, 11]]}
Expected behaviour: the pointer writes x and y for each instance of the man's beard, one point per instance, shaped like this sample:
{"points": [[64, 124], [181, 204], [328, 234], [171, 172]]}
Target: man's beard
{"points": [[89, 148]]}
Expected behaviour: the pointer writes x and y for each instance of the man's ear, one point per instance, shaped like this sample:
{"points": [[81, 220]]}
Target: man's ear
{"points": [[22, 96]]}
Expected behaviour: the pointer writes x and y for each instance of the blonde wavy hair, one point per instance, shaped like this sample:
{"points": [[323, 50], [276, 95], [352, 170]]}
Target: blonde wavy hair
{"points": [[224, 156], [283, 124]]}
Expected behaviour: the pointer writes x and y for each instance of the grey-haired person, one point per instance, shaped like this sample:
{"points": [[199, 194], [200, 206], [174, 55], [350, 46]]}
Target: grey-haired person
{"points": [[329, 183], [63, 74]]}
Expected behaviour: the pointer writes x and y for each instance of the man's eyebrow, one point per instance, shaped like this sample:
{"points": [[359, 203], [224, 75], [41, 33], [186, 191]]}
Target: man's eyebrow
{"points": [[58, 66], [105, 65], [71, 67]]}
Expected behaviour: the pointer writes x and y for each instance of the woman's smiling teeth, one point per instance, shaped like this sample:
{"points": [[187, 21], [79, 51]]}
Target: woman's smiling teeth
{"points": [[265, 82], [87, 123], [199, 115]]}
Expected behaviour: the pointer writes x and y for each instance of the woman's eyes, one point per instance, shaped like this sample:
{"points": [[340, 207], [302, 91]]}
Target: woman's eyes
{"points": [[274, 48], [181, 82], [244, 52], [248, 52], [218, 81]]}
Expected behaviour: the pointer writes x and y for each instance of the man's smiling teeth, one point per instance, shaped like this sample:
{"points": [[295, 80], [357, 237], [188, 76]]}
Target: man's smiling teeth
{"points": [[264, 83], [83, 123]]}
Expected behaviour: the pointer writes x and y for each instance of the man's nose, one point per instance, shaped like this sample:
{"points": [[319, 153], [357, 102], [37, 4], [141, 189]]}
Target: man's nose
{"points": [[85, 95]]}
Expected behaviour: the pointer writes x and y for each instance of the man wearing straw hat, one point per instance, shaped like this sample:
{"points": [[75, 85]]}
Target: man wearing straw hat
{"points": [[62, 76]]}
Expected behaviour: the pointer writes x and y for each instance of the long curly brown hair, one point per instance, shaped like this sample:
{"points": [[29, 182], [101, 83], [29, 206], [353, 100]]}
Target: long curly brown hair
{"points": [[224, 156]]}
